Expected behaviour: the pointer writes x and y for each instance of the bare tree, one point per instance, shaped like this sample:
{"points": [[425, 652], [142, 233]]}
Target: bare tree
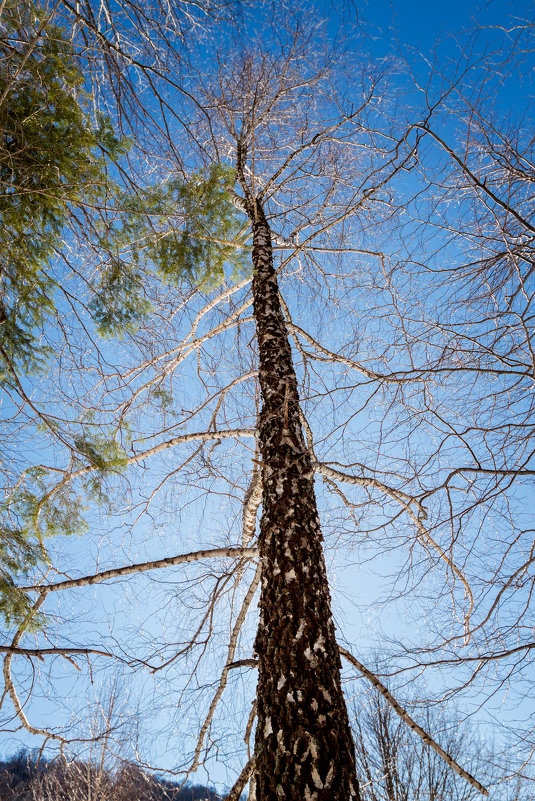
{"points": [[252, 109], [471, 346], [336, 359], [396, 766]]}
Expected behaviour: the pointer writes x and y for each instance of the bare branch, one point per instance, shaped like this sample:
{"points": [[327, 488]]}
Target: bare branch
{"points": [[157, 564], [428, 740]]}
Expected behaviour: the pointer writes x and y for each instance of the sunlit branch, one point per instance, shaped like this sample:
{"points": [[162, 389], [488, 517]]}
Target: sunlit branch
{"points": [[239, 785], [406, 501], [9, 686], [233, 643], [481, 185], [428, 740], [187, 348], [157, 564], [335, 357], [204, 436]]}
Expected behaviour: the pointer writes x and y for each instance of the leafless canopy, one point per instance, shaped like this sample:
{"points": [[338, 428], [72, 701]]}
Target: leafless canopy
{"points": [[402, 227]]}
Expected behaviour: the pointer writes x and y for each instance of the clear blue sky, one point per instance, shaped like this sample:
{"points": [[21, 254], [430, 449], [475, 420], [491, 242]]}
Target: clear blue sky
{"points": [[411, 29]]}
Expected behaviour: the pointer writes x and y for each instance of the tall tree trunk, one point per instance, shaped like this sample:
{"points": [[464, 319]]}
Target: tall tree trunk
{"points": [[304, 748]]}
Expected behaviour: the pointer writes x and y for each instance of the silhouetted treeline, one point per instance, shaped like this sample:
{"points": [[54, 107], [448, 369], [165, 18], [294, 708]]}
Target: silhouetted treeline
{"points": [[24, 777]]}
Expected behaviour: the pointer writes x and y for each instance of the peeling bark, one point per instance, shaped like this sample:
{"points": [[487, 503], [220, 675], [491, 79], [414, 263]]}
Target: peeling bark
{"points": [[304, 748]]}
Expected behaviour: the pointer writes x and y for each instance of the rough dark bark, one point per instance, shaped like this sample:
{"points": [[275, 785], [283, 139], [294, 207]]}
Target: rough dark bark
{"points": [[304, 748]]}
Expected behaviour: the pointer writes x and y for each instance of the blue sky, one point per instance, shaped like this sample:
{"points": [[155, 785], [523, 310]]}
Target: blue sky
{"points": [[410, 30]]}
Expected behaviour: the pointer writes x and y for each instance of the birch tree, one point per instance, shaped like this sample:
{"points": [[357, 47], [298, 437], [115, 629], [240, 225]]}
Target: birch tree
{"points": [[236, 386], [296, 753]]}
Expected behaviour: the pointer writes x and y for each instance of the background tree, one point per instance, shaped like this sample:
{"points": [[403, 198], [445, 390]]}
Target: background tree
{"points": [[328, 170], [28, 778], [397, 766], [53, 171]]}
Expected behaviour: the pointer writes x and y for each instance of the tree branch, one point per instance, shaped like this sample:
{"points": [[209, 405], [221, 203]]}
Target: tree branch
{"points": [[194, 556], [428, 740]]}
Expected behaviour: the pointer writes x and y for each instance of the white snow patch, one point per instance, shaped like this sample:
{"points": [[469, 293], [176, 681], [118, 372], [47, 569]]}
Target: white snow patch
{"points": [[268, 728]]}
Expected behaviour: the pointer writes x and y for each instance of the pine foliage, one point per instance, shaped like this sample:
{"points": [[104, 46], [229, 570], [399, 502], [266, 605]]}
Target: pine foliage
{"points": [[60, 184], [53, 164]]}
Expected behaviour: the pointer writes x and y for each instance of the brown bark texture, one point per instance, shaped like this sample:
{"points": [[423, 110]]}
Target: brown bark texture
{"points": [[304, 748]]}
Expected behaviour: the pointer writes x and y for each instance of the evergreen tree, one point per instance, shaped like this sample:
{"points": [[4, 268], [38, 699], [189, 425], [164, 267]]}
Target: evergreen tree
{"points": [[54, 163], [59, 182]]}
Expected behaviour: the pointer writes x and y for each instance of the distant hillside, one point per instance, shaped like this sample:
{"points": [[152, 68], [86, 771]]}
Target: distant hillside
{"points": [[23, 778]]}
